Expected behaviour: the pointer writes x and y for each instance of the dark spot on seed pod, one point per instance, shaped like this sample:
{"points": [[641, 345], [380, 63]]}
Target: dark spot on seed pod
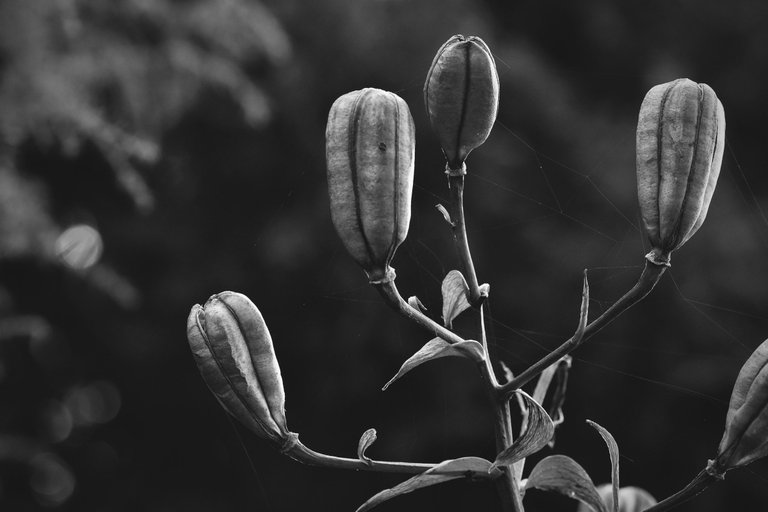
{"points": [[382, 146]]}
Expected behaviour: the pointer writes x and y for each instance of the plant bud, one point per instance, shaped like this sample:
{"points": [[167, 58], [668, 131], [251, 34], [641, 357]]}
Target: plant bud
{"points": [[746, 424], [680, 143], [233, 350], [369, 151], [462, 97]]}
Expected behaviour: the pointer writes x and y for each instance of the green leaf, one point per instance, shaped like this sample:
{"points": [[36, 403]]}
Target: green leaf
{"points": [[564, 475], [540, 430], [455, 293], [437, 348], [366, 440], [613, 450], [445, 471]]}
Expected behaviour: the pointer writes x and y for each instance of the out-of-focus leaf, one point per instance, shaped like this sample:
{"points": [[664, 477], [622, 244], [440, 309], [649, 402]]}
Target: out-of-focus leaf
{"points": [[445, 471], [631, 499], [564, 475], [536, 436], [416, 303], [613, 450], [366, 440], [437, 348], [455, 293]]}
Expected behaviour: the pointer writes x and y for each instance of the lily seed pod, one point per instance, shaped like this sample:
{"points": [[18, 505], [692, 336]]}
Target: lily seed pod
{"points": [[680, 143], [233, 350], [369, 151], [746, 424], [462, 97]]}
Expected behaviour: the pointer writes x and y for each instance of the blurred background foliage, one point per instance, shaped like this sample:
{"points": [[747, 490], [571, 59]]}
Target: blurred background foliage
{"points": [[153, 152]]}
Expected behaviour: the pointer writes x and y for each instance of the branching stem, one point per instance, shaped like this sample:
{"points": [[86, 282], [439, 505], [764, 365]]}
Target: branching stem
{"points": [[647, 281]]}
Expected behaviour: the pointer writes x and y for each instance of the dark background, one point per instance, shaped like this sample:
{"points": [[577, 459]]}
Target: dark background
{"points": [[190, 134]]}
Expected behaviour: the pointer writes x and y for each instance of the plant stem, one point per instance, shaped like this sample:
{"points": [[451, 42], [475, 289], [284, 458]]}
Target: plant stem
{"points": [[507, 485], [699, 484], [300, 452], [646, 282], [456, 186]]}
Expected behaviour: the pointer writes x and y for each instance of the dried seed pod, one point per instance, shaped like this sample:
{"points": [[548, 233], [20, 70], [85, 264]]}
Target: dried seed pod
{"points": [[680, 143], [746, 424], [462, 97], [233, 350], [369, 151]]}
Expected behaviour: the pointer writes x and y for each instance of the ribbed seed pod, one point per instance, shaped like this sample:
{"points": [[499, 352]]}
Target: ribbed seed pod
{"points": [[233, 350], [369, 151], [680, 143], [461, 95], [746, 424]]}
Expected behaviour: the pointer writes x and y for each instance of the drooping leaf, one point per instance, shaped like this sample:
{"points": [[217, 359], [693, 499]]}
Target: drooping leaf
{"points": [[366, 440], [455, 296], [542, 385], [416, 303], [536, 436], [564, 475], [445, 471], [437, 348], [558, 395], [557, 373], [613, 450]]}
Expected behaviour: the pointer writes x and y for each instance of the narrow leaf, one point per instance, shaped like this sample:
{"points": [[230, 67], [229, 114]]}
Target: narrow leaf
{"points": [[454, 469], [366, 440], [446, 215], [564, 475], [455, 293], [437, 348], [613, 450], [416, 303], [536, 436]]}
